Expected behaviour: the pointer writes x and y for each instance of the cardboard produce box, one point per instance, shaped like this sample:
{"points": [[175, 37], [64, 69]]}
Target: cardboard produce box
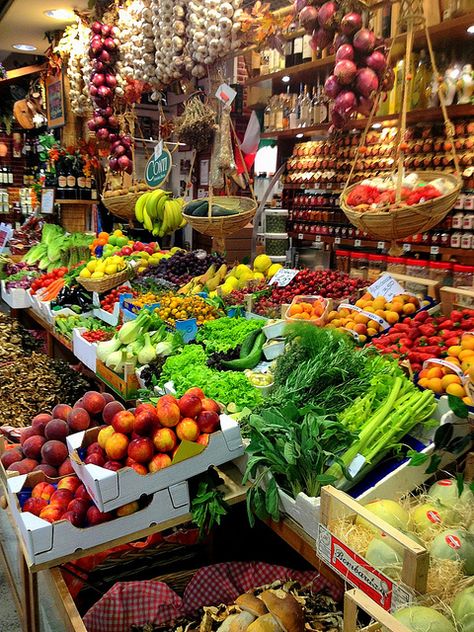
{"points": [[84, 351], [110, 490], [125, 386], [16, 298], [45, 541]]}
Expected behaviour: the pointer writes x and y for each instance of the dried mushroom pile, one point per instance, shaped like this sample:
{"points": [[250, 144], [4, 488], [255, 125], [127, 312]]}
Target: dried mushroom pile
{"points": [[15, 340], [281, 606]]}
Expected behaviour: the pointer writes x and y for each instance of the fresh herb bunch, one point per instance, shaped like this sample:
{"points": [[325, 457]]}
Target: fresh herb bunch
{"points": [[208, 507], [226, 333], [151, 373]]}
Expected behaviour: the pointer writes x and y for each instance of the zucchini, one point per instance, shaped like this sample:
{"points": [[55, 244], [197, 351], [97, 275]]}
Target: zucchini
{"points": [[248, 343], [202, 210], [251, 360], [220, 211], [192, 206]]}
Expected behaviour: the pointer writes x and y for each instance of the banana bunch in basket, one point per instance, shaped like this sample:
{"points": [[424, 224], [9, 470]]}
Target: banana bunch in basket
{"points": [[159, 212]]}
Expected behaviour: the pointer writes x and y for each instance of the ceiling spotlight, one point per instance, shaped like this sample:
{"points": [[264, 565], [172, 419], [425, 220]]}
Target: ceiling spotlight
{"points": [[470, 29], [299, 135], [60, 14], [285, 79], [377, 126], [24, 47]]}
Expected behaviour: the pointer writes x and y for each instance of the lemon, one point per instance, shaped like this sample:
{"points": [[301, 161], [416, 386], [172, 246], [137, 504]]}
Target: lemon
{"points": [[262, 263], [85, 274], [91, 266], [141, 268], [258, 276], [273, 269], [118, 233], [97, 275], [232, 281], [212, 294], [241, 270], [111, 269], [226, 289], [100, 267]]}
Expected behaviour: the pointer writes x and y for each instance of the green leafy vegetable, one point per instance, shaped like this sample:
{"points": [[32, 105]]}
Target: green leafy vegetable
{"points": [[226, 333], [208, 507]]}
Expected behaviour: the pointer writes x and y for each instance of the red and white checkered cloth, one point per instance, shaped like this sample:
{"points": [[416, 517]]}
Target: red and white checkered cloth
{"points": [[141, 602]]}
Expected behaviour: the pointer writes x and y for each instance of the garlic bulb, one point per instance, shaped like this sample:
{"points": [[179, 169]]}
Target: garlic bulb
{"points": [[75, 44]]}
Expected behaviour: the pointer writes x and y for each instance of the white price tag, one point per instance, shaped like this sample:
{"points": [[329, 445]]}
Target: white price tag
{"points": [[318, 238], [283, 277], [381, 245], [434, 250], [300, 236], [226, 94], [385, 286], [337, 241], [318, 245], [159, 148], [47, 201], [357, 243], [406, 247]]}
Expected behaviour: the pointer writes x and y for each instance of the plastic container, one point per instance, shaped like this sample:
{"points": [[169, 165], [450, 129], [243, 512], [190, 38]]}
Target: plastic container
{"points": [[326, 305], [442, 272], [274, 348], [397, 265], [463, 276], [420, 269], [275, 220], [276, 244], [359, 265], [377, 265], [467, 241], [343, 260], [274, 330]]}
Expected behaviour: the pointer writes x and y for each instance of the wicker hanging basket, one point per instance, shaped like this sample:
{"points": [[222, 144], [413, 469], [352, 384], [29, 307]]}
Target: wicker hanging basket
{"points": [[105, 283], [221, 227], [122, 204], [396, 222]]}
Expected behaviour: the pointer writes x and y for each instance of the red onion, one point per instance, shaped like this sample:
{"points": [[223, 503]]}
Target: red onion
{"points": [[365, 106], [92, 90], [113, 122], [105, 57], [92, 125], [340, 40], [345, 72], [115, 144], [308, 19], [98, 65], [113, 138], [351, 23], [321, 39], [338, 119], [98, 79], [326, 15], [111, 81], [127, 141], [104, 92], [108, 111], [346, 51], [113, 164], [102, 133], [119, 150], [377, 62], [129, 169], [298, 6], [332, 87], [105, 30], [364, 41], [96, 48], [109, 44], [366, 82], [96, 28], [124, 163], [100, 121], [345, 103]]}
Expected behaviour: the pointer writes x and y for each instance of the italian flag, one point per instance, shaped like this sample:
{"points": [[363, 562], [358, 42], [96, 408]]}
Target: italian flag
{"points": [[252, 142]]}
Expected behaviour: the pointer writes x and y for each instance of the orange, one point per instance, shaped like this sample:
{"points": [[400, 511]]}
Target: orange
{"points": [[435, 371], [457, 390], [392, 317], [370, 310], [409, 308], [344, 312], [467, 342], [395, 306], [471, 373], [333, 315], [361, 303], [454, 351], [350, 325], [468, 401], [450, 379], [435, 385], [304, 316], [362, 339], [103, 235], [424, 382], [367, 297], [465, 354], [101, 242], [295, 309]]}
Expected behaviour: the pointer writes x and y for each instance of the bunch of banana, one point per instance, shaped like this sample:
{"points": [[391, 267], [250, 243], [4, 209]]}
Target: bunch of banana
{"points": [[159, 212], [205, 282]]}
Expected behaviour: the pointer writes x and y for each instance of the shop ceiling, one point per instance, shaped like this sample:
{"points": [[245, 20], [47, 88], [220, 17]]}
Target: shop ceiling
{"points": [[24, 22]]}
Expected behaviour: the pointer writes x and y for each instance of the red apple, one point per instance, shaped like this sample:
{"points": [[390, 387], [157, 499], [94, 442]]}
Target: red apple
{"points": [[114, 466], [81, 492], [51, 513], [61, 411], [127, 509], [79, 506], [62, 497], [110, 410], [43, 490], [139, 468], [69, 482], [208, 421], [35, 505], [94, 516], [95, 459], [74, 518], [203, 439]]}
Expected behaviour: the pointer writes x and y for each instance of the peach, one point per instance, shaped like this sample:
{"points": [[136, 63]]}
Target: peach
{"points": [[188, 429], [26, 433], [116, 446], [95, 458], [56, 429], [123, 422], [69, 482], [145, 421], [110, 410], [203, 439], [43, 490], [103, 435], [128, 509], [195, 390], [32, 447], [360, 329], [23, 467], [54, 452], [94, 516], [141, 450], [164, 439], [108, 397], [49, 470], [146, 406], [210, 404], [158, 462], [113, 466], [208, 421], [78, 419], [190, 405], [79, 506], [74, 518], [39, 422], [62, 497], [81, 492], [35, 505], [61, 411], [11, 456], [66, 468], [51, 513], [168, 412], [170, 399], [79, 403], [139, 468], [94, 402]]}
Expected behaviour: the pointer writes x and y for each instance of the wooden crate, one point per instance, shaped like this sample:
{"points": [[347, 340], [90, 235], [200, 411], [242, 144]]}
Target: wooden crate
{"points": [[355, 600], [358, 572], [74, 217], [125, 387], [432, 286], [454, 297]]}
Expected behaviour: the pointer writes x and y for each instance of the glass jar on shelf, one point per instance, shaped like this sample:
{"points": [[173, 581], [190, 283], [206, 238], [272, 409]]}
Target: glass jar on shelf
{"points": [[343, 260], [442, 272], [359, 265], [396, 265], [466, 241], [463, 276], [377, 265], [458, 219], [455, 241]]}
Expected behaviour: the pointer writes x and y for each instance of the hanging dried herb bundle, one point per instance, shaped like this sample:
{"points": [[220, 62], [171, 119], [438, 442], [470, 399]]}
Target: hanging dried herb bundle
{"points": [[197, 125]]}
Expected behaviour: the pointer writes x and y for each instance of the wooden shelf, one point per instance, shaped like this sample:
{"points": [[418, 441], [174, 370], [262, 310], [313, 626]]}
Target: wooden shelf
{"points": [[77, 202], [413, 117], [455, 29]]}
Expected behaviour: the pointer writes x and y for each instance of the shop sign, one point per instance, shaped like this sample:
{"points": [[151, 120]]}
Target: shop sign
{"points": [[158, 167]]}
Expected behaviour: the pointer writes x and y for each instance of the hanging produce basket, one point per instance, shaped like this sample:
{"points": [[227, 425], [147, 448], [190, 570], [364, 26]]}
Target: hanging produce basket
{"points": [[397, 219], [122, 202], [105, 283], [221, 227]]}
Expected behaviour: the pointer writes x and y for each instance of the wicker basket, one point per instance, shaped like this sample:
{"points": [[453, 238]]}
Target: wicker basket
{"points": [[399, 223], [106, 283], [221, 227], [123, 206]]}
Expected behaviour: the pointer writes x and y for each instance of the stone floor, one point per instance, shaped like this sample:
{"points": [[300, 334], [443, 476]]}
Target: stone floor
{"points": [[9, 621]]}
